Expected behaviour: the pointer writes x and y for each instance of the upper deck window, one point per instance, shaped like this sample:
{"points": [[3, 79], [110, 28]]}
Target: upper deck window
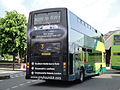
{"points": [[116, 37], [46, 18]]}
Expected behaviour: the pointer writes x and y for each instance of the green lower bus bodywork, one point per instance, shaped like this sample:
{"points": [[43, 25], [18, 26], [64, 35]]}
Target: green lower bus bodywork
{"points": [[115, 67], [115, 52], [103, 70]]}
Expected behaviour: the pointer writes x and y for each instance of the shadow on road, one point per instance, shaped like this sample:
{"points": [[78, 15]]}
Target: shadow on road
{"points": [[61, 84], [99, 82], [108, 81]]}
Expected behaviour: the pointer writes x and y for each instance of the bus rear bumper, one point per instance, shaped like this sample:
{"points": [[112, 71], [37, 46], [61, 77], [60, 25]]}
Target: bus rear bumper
{"points": [[61, 78]]}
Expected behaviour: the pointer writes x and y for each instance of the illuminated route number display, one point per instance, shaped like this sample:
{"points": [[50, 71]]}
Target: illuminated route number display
{"points": [[47, 18]]}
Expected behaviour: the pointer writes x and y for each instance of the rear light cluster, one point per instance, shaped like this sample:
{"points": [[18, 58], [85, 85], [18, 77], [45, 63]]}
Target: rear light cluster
{"points": [[64, 68], [27, 66]]}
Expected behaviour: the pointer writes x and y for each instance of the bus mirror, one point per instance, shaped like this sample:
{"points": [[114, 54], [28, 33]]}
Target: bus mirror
{"points": [[89, 50]]}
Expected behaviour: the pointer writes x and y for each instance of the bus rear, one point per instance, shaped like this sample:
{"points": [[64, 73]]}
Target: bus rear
{"points": [[47, 45], [115, 52]]}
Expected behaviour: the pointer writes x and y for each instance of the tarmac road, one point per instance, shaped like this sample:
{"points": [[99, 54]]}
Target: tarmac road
{"points": [[108, 81]]}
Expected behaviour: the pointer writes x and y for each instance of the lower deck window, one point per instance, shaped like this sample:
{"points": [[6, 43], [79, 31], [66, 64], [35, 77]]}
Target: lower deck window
{"points": [[116, 53]]}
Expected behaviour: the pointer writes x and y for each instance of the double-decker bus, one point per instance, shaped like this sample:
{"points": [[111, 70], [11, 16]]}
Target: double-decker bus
{"points": [[61, 46], [115, 51]]}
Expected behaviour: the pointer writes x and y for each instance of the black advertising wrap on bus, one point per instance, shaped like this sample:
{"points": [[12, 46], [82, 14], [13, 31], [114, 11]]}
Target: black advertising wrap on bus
{"points": [[47, 34], [47, 44]]}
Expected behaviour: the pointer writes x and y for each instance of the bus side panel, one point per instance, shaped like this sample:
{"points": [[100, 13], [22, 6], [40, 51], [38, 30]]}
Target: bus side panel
{"points": [[81, 38], [115, 57]]}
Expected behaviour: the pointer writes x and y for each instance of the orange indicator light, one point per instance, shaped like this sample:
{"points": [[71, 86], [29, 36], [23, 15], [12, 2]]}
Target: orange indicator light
{"points": [[64, 66], [28, 63], [64, 63]]}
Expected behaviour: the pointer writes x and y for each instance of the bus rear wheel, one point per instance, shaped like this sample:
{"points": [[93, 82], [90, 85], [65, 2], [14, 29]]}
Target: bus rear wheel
{"points": [[100, 71], [81, 76]]}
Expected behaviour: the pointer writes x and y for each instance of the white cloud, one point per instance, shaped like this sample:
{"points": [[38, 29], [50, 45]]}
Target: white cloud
{"points": [[112, 24]]}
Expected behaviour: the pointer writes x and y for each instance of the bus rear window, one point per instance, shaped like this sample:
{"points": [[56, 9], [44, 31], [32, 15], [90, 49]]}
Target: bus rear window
{"points": [[46, 18]]}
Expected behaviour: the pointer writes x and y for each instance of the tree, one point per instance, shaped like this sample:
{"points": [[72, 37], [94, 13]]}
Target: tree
{"points": [[13, 34]]}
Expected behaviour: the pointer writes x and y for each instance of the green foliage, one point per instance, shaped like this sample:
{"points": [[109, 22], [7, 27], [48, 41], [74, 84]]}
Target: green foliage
{"points": [[7, 56], [13, 33]]}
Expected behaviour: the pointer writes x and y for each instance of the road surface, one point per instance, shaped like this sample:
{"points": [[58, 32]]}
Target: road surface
{"points": [[108, 81]]}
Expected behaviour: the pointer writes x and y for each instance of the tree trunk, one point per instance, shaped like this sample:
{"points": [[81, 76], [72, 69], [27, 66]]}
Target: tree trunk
{"points": [[13, 62]]}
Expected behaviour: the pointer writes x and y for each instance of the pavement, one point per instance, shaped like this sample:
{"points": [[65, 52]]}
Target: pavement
{"points": [[6, 73], [108, 68]]}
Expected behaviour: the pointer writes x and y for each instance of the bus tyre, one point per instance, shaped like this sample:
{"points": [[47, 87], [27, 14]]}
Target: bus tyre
{"points": [[81, 76], [100, 72]]}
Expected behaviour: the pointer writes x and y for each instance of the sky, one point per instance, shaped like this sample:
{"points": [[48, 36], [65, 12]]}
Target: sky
{"points": [[103, 15]]}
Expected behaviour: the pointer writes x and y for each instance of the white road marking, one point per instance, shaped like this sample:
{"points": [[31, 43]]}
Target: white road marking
{"points": [[12, 77], [8, 89], [22, 75], [106, 76], [17, 75], [1, 80], [21, 84], [34, 80], [14, 87], [28, 82], [101, 76]]}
